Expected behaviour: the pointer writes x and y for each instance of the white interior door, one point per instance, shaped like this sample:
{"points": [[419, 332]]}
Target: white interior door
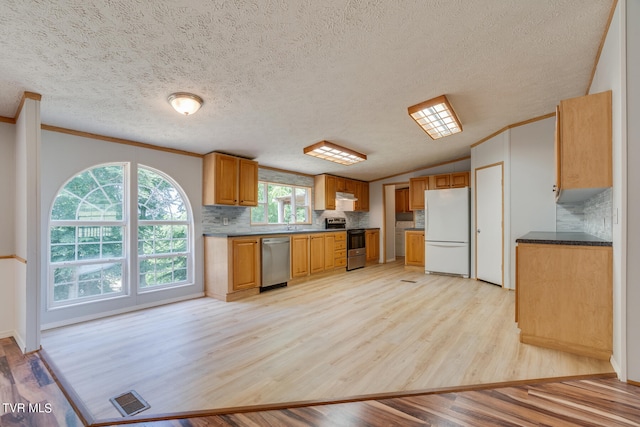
{"points": [[489, 220]]}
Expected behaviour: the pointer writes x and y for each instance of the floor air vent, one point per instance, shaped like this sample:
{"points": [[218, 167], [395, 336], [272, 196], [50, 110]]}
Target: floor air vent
{"points": [[129, 403], [408, 281]]}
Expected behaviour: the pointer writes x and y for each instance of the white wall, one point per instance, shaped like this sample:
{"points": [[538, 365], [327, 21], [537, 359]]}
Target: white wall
{"points": [[27, 226], [7, 190], [633, 195], [493, 151], [527, 154], [610, 76], [533, 205], [7, 195], [68, 155]]}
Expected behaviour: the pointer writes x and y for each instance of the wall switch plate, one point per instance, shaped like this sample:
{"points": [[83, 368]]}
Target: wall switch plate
{"points": [[225, 221]]}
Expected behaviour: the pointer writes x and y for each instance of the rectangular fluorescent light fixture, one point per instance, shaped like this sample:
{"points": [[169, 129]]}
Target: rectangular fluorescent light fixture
{"points": [[436, 117], [334, 153]]}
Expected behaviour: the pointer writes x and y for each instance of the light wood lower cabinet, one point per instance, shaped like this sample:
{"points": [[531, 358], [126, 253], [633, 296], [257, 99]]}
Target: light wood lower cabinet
{"points": [[316, 248], [340, 254], [414, 248], [564, 297], [299, 255], [232, 267], [372, 245]]}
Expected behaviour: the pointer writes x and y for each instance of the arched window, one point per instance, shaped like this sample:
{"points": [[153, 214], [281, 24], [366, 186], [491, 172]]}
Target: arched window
{"points": [[163, 232], [91, 226]]}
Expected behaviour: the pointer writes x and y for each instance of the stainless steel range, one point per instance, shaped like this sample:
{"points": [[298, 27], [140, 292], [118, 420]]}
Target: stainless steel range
{"points": [[356, 251]]}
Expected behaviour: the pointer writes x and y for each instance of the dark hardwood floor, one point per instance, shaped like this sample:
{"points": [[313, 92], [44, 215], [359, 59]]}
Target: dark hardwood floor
{"points": [[30, 397]]}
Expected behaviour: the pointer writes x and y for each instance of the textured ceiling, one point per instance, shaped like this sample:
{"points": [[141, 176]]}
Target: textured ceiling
{"points": [[278, 75]]}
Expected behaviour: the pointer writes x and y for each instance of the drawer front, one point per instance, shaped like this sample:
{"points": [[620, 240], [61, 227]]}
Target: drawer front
{"points": [[340, 245], [341, 237], [340, 262], [341, 254]]}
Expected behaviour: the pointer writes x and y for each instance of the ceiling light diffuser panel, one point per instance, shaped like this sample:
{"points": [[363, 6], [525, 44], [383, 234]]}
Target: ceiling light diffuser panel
{"points": [[436, 117], [334, 153]]}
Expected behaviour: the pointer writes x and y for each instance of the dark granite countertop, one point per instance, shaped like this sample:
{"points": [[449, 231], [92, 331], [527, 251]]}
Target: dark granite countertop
{"points": [[272, 233], [562, 238]]}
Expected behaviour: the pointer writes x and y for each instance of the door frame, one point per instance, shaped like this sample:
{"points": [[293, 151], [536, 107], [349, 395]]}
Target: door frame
{"points": [[384, 215], [475, 222]]}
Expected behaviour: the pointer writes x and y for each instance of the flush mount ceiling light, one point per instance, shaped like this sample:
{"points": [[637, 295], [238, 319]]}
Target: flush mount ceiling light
{"points": [[436, 117], [185, 103], [334, 153]]}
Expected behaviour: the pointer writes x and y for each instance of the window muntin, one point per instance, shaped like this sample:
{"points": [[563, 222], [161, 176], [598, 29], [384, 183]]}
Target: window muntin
{"points": [[89, 233], [87, 246], [282, 204], [163, 232]]}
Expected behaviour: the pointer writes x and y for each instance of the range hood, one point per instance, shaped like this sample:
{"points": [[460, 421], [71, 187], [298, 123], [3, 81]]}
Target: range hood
{"points": [[345, 196]]}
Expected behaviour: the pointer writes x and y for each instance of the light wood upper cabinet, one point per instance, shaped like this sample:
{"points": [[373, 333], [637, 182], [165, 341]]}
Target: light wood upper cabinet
{"points": [[564, 297], [441, 181], [449, 180], [417, 186], [583, 144], [414, 248], [299, 255], [326, 186], [362, 194], [229, 180], [248, 183], [460, 179], [402, 200], [372, 245], [324, 192]]}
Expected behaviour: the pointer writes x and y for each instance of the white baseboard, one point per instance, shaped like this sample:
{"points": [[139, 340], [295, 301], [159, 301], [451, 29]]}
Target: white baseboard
{"points": [[616, 367], [116, 312], [20, 341], [6, 334]]}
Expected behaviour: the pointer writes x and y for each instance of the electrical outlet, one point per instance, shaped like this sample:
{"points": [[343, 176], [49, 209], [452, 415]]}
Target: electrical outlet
{"points": [[225, 221]]}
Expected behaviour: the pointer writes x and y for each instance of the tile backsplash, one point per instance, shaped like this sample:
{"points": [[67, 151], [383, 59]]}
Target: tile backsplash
{"points": [[592, 216], [239, 218]]}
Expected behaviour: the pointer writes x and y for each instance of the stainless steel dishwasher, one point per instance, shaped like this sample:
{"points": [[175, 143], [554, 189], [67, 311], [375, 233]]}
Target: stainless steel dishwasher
{"points": [[275, 262]]}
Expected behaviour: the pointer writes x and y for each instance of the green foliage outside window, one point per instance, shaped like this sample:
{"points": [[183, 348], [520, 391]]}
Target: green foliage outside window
{"points": [[282, 204], [88, 234]]}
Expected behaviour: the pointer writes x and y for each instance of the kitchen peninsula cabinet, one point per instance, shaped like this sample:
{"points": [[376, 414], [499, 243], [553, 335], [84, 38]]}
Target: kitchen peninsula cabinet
{"points": [[583, 147], [229, 180], [232, 267], [372, 245], [564, 296], [414, 248]]}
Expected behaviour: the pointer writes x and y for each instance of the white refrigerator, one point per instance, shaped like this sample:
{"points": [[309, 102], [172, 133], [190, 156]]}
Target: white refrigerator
{"points": [[447, 231]]}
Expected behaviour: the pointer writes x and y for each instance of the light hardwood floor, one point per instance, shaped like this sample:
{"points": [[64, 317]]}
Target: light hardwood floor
{"points": [[377, 330]]}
